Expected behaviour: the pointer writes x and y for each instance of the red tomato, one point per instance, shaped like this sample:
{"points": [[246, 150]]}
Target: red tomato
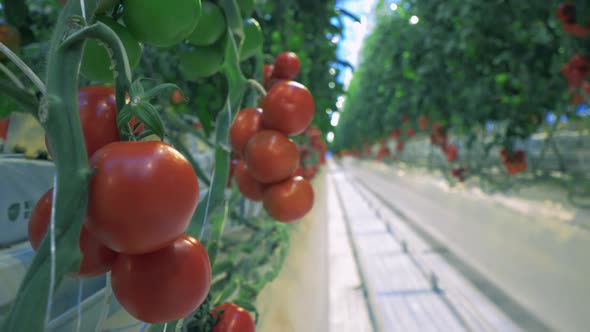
{"points": [[232, 170], [400, 146], [451, 152], [566, 12], [272, 82], [313, 132], [164, 285], [289, 200], [96, 257], [233, 319], [267, 74], [246, 123], [411, 132], [288, 108], [299, 171], [98, 117], [142, 196], [459, 173], [4, 127], [514, 163], [309, 172], [423, 122], [576, 30], [177, 97], [247, 184], [139, 128], [10, 37], [395, 134], [286, 66], [271, 157]]}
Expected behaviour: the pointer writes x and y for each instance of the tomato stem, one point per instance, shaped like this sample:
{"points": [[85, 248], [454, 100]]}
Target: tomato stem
{"points": [[26, 100], [60, 118], [114, 46], [257, 87], [11, 76], [23, 67]]}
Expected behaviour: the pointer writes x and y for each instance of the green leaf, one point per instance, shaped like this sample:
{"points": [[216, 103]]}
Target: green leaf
{"points": [[216, 194], [214, 240], [228, 291], [123, 118], [158, 90], [149, 116]]}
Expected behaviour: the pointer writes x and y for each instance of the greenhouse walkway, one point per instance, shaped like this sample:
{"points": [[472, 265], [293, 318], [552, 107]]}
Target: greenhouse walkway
{"points": [[385, 277]]}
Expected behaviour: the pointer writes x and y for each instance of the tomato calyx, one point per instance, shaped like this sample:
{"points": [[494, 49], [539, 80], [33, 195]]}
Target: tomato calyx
{"points": [[139, 106], [204, 319]]}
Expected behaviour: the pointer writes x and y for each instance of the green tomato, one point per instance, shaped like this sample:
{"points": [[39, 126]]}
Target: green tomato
{"points": [[252, 39], [246, 7], [161, 23], [210, 27], [201, 62], [96, 62]]}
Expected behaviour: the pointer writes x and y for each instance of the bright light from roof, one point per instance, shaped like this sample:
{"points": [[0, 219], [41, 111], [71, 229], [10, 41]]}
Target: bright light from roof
{"points": [[335, 119], [340, 102], [332, 71], [335, 39], [330, 137], [414, 19], [331, 85], [393, 6]]}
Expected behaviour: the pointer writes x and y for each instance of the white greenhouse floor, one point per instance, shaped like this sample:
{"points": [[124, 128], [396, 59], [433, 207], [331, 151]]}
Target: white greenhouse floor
{"points": [[386, 276]]}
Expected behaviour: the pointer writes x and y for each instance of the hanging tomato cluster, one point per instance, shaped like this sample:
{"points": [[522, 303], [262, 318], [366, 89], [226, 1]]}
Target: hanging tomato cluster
{"points": [[576, 71], [312, 153], [268, 158], [141, 199], [566, 13], [514, 162]]}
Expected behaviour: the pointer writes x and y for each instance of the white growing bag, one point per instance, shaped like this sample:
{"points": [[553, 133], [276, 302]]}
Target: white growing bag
{"points": [[22, 183]]}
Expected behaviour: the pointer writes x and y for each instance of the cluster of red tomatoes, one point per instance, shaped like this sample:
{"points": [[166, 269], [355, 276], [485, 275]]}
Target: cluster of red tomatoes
{"points": [[310, 166], [566, 13], [141, 198], [268, 159], [514, 162], [576, 71], [438, 137]]}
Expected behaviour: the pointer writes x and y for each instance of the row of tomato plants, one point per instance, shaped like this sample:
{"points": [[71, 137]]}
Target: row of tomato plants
{"points": [[126, 189], [466, 67]]}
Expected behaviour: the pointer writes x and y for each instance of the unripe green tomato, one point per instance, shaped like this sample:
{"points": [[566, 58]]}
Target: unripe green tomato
{"points": [[252, 39], [201, 62], [96, 62], [161, 23], [211, 26]]}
